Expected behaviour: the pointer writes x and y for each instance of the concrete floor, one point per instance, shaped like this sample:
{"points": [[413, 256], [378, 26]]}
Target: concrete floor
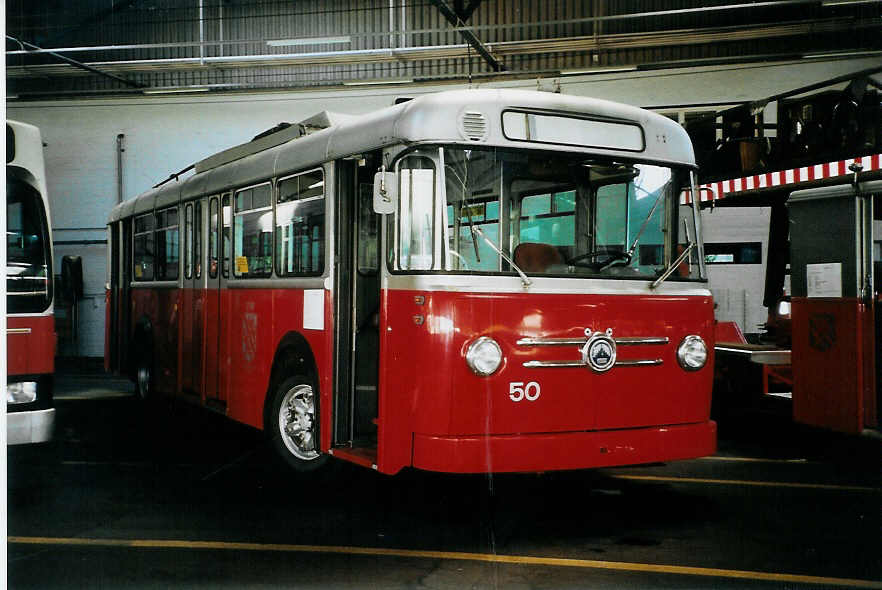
{"points": [[177, 497]]}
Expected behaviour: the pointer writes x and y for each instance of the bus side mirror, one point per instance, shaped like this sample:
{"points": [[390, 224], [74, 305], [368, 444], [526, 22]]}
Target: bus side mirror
{"points": [[385, 192]]}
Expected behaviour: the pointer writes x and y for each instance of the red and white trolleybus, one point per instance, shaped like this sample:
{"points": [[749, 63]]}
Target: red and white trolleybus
{"points": [[30, 323], [471, 281]]}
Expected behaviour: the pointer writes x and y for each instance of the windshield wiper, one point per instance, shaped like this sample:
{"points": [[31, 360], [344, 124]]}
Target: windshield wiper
{"points": [[466, 202], [677, 262], [629, 254], [524, 278]]}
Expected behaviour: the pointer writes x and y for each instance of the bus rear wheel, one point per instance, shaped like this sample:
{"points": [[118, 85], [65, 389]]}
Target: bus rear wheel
{"points": [[293, 424], [144, 379]]}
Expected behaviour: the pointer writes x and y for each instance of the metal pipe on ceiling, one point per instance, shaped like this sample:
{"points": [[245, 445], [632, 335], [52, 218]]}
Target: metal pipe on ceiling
{"points": [[507, 48], [493, 27]]}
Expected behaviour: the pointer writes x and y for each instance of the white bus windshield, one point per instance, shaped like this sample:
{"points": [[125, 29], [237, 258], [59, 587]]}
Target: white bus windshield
{"points": [[552, 214], [28, 287]]}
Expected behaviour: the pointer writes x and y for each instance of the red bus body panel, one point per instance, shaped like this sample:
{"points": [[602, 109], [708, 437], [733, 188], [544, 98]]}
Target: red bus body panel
{"points": [[228, 341], [30, 352], [435, 413], [161, 306]]}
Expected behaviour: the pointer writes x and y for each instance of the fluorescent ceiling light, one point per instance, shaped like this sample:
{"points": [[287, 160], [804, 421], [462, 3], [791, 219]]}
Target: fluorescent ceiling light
{"points": [[308, 41], [176, 90], [376, 82], [599, 71]]}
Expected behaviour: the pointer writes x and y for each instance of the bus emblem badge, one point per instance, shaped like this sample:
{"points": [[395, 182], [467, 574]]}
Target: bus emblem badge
{"points": [[599, 352]]}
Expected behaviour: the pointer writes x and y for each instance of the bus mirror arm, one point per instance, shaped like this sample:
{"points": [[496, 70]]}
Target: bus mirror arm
{"points": [[385, 191]]}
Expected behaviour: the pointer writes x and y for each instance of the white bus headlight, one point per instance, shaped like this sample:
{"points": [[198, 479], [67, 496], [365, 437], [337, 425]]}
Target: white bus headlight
{"points": [[24, 392], [484, 356], [692, 353]]}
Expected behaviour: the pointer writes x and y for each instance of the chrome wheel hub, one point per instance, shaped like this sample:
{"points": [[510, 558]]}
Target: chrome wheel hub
{"points": [[144, 381], [296, 422]]}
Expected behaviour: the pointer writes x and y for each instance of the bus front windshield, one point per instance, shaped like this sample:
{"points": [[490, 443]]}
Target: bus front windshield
{"points": [[551, 214], [28, 270]]}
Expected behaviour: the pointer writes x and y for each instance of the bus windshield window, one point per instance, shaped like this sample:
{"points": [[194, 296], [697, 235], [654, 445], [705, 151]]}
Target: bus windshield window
{"points": [[417, 202], [554, 214], [28, 271]]}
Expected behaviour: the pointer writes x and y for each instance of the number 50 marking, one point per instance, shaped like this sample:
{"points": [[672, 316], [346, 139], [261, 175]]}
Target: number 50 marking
{"points": [[517, 391]]}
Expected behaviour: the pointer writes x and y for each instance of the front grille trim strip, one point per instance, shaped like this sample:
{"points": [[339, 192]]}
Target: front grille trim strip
{"points": [[632, 341], [567, 364]]}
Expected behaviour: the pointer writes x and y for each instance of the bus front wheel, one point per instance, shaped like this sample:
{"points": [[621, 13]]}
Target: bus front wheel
{"points": [[294, 424]]}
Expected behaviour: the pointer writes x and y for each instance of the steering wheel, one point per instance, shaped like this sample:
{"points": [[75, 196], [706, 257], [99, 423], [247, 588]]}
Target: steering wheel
{"points": [[613, 256]]}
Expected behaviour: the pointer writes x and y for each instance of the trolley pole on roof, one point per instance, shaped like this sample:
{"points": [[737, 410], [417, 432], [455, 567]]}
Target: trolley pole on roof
{"points": [[470, 38]]}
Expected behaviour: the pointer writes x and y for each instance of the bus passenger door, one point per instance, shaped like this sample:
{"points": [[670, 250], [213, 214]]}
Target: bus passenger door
{"points": [[193, 301], [211, 305], [358, 301]]}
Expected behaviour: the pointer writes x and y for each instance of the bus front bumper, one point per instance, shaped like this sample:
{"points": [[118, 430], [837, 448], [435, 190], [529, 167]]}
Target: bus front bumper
{"points": [[33, 426], [565, 450]]}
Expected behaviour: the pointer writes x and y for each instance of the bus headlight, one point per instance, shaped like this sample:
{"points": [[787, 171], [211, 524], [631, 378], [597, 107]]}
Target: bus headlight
{"points": [[23, 392], [484, 356], [692, 353]]}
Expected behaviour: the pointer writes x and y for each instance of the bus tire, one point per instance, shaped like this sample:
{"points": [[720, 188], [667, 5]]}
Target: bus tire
{"points": [[293, 423], [144, 378]]}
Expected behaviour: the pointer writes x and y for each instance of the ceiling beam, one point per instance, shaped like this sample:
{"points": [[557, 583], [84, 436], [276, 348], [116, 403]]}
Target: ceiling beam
{"points": [[470, 38], [77, 64]]}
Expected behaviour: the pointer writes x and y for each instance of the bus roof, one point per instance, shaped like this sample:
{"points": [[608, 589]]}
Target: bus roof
{"points": [[465, 117], [24, 153]]}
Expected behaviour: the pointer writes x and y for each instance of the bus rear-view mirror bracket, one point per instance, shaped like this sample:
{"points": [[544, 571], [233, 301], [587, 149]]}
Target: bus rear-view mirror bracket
{"points": [[385, 192]]}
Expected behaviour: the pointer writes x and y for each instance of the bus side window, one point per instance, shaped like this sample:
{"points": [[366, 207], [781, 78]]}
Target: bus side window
{"points": [[300, 223], [212, 238], [197, 239], [167, 245], [188, 241], [143, 248], [226, 234], [253, 232], [368, 230]]}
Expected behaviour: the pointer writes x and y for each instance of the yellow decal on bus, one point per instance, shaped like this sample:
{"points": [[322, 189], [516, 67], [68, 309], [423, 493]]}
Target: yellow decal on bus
{"points": [[241, 265]]}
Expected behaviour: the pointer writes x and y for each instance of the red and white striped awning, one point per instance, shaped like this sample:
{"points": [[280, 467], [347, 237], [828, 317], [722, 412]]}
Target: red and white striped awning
{"points": [[723, 188]]}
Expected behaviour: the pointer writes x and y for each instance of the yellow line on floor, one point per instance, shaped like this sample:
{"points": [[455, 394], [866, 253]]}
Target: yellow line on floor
{"points": [[752, 460], [741, 482], [450, 555]]}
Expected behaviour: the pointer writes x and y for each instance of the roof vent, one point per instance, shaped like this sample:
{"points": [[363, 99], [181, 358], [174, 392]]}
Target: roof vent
{"points": [[473, 125]]}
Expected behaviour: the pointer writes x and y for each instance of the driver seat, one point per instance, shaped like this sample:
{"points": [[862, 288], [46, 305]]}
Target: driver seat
{"points": [[536, 257]]}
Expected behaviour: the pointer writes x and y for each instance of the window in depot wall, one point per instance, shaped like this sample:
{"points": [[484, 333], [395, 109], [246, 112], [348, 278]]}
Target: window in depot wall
{"points": [[300, 225], [733, 253], [143, 250], [167, 245], [253, 232]]}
